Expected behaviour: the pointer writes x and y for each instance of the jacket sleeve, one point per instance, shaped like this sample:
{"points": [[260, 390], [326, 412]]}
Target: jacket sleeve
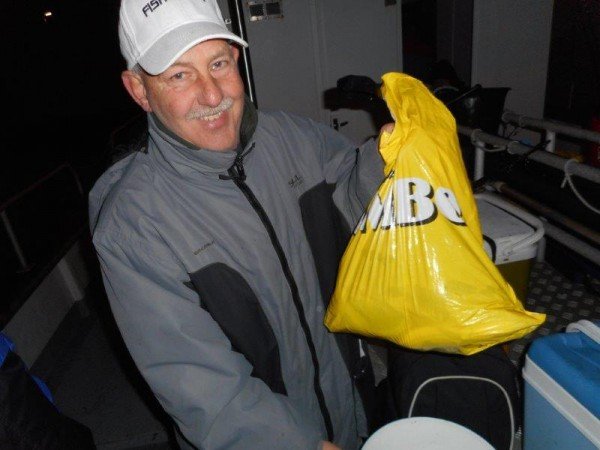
{"points": [[357, 171], [186, 359]]}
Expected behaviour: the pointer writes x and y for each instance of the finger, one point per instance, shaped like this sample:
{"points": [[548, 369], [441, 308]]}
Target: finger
{"points": [[387, 128]]}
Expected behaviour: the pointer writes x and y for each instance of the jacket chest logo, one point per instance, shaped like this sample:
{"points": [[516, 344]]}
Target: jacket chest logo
{"points": [[204, 247], [296, 181]]}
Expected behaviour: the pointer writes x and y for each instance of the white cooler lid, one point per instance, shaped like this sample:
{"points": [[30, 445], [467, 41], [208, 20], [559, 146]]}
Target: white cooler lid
{"points": [[504, 229]]}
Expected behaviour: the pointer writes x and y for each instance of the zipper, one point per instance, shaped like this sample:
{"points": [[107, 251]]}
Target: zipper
{"points": [[238, 176]]}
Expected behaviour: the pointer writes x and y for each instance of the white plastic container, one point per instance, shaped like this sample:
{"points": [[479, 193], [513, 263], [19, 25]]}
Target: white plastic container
{"points": [[425, 433], [511, 237]]}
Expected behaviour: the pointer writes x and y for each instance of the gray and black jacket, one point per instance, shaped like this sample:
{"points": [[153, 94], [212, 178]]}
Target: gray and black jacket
{"points": [[219, 266]]}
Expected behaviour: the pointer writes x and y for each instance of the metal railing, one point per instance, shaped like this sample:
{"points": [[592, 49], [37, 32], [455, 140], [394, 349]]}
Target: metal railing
{"points": [[544, 154], [551, 129], [12, 236], [480, 139]]}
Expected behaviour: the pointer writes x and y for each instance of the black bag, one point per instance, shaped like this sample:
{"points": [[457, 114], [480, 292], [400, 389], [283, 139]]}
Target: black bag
{"points": [[480, 392], [28, 420]]}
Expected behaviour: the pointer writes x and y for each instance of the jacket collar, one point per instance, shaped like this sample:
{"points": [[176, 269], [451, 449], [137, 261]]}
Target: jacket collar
{"points": [[183, 157]]}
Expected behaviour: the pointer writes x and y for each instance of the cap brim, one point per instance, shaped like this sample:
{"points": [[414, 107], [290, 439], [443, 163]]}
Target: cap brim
{"points": [[175, 43]]}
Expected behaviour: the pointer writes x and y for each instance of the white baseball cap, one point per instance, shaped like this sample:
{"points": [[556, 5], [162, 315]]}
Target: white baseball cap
{"points": [[154, 33]]}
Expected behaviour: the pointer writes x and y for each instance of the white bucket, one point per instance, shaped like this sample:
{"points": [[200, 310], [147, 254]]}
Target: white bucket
{"points": [[425, 433]]}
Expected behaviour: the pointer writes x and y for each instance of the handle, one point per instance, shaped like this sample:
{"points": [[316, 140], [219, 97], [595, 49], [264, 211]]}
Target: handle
{"points": [[523, 215], [586, 327]]}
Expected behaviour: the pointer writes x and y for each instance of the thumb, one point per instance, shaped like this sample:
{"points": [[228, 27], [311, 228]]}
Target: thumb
{"points": [[384, 133], [387, 128]]}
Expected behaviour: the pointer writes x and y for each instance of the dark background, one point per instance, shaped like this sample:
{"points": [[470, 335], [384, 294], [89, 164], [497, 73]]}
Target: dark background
{"points": [[60, 85]]}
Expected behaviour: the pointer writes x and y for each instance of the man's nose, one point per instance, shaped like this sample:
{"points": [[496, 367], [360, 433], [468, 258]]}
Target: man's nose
{"points": [[209, 92]]}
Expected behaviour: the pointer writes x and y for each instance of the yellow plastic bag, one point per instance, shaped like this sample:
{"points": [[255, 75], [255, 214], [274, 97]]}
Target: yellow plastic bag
{"points": [[415, 271]]}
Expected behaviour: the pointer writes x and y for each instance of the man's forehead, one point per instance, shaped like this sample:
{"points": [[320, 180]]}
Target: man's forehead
{"points": [[210, 49]]}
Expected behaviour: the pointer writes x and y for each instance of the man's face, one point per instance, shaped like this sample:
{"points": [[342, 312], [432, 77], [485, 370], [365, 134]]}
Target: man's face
{"points": [[200, 97]]}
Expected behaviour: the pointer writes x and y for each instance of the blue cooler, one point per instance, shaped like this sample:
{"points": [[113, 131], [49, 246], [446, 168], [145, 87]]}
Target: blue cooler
{"points": [[562, 390]]}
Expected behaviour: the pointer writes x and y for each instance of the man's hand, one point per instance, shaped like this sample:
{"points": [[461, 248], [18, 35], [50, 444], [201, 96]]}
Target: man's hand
{"points": [[385, 133], [387, 128], [329, 446]]}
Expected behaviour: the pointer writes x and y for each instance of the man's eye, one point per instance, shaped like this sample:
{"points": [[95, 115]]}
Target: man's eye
{"points": [[219, 65], [178, 76]]}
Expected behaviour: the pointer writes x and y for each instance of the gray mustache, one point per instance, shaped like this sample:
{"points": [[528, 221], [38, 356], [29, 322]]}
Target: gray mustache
{"points": [[225, 104]]}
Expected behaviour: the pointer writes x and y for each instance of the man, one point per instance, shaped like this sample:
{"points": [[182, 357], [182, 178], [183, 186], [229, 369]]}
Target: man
{"points": [[219, 244]]}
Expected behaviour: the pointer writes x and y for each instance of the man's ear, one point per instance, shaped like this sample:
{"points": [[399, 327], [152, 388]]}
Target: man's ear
{"points": [[135, 86], [235, 52]]}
